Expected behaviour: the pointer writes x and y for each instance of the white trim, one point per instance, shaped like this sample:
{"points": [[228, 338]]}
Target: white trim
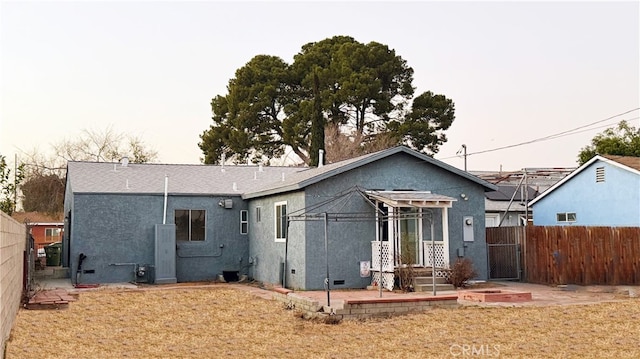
{"points": [[494, 216], [445, 236], [275, 221], [244, 221]]}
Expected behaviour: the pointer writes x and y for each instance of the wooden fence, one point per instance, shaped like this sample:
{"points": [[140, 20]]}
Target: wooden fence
{"points": [[572, 254], [582, 255]]}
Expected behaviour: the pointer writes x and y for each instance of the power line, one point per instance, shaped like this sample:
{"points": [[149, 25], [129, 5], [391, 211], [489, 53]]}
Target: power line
{"points": [[553, 136]]}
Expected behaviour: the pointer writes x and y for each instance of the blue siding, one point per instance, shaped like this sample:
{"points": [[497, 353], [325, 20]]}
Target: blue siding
{"points": [[614, 202], [350, 242], [117, 229], [268, 255]]}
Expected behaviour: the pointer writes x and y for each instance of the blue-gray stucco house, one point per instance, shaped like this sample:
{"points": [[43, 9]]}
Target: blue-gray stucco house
{"points": [[295, 226], [604, 191]]}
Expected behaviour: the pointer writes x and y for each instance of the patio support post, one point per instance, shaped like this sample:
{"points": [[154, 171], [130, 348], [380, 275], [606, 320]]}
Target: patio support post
{"points": [[445, 235], [433, 257]]}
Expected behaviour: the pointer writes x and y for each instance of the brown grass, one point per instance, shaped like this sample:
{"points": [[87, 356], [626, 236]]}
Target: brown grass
{"points": [[223, 322]]}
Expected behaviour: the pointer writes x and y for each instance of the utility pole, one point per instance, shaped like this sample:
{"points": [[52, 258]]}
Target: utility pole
{"points": [[464, 154]]}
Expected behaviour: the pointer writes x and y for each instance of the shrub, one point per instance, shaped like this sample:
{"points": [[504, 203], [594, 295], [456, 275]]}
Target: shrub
{"points": [[461, 272]]}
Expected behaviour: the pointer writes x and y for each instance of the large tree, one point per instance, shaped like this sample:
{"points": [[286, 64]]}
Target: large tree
{"points": [[364, 89], [623, 140]]}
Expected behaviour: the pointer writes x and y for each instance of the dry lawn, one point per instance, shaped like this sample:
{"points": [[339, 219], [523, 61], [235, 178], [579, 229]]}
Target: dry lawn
{"points": [[220, 322]]}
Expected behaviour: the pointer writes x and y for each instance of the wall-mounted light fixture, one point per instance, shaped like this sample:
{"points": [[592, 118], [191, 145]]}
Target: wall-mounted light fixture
{"points": [[464, 197], [226, 203]]}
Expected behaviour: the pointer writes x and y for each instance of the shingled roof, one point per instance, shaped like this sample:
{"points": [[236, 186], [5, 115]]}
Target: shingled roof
{"points": [[629, 161], [248, 181], [104, 177], [313, 175]]}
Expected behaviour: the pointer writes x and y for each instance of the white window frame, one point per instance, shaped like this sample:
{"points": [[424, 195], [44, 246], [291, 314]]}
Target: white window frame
{"points": [[51, 238], [566, 217], [244, 221], [493, 216], [282, 236]]}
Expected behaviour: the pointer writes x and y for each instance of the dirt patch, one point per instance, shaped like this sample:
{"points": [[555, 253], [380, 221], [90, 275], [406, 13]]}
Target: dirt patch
{"points": [[219, 321]]}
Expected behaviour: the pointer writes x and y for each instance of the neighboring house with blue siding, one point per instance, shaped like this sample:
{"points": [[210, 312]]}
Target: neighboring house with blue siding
{"points": [[186, 223], [605, 191]]}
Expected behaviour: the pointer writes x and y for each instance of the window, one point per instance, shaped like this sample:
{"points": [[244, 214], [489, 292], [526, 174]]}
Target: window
{"points": [[244, 222], [190, 224], [491, 220], [566, 217], [52, 234], [599, 174], [258, 214], [281, 221]]}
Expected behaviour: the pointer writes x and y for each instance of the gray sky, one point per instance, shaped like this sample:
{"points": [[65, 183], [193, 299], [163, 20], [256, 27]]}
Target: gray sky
{"points": [[517, 71]]}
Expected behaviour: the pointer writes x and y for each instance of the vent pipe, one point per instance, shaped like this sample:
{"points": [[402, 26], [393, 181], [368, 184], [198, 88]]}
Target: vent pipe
{"points": [[260, 169], [166, 188], [222, 162], [320, 158], [124, 161]]}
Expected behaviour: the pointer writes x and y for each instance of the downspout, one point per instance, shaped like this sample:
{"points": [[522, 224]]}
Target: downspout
{"points": [[286, 249], [326, 252], [166, 188]]}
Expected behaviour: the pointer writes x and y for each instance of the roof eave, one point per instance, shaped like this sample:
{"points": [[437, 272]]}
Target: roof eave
{"points": [[269, 192]]}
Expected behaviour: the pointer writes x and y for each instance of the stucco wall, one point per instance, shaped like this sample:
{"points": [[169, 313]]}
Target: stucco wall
{"points": [[268, 255], [614, 202], [12, 246], [350, 242], [114, 230]]}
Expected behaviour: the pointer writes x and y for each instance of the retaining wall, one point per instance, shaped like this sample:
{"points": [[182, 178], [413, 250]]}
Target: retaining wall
{"points": [[355, 309]]}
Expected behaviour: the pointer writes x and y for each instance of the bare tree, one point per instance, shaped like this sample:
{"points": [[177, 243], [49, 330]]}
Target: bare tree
{"points": [[105, 145], [45, 175], [340, 146]]}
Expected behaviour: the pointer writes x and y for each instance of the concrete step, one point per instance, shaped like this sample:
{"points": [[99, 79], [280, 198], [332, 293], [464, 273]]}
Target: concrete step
{"points": [[429, 280], [429, 287]]}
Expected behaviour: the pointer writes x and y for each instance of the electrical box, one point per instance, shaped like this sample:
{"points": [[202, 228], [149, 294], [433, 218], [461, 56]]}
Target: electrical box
{"points": [[226, 203], [467, 228]]}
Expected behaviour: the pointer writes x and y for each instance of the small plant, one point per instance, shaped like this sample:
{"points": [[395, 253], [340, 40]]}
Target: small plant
{"points": [[405, 271], [461, 272]]}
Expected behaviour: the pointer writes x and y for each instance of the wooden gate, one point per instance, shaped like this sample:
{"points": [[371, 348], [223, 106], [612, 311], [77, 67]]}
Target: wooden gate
{"points": [[503, 252]]}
